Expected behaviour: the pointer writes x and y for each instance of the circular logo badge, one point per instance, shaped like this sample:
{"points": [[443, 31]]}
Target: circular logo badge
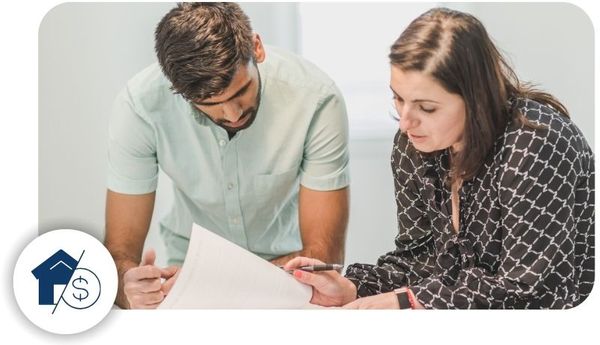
{"points": [[65, 281]]}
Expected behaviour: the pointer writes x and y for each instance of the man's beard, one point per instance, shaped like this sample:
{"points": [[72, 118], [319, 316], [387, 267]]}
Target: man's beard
{"points": [[251, 112]]}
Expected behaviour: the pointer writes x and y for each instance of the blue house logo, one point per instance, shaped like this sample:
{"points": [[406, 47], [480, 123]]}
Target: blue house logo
{"points": [[56, 270], [65, 281]]}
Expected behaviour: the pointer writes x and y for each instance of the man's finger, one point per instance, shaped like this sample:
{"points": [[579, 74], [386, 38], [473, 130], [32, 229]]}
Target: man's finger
{"points": [[168, 284], [146, 301], [150, 306], [168, 272], [144, 272], [153, 297], [145, 286], [149, 257]]}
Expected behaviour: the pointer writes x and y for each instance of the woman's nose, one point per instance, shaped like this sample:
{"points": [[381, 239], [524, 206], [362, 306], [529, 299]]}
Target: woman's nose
{"points": [[407, 120]]}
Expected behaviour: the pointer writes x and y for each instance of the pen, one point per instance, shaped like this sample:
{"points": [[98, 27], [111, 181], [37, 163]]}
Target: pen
{"points": [[323, 267]]}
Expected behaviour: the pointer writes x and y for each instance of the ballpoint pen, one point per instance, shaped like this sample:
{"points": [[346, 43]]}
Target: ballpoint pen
{"points": [[322, 267], [318, 268]]}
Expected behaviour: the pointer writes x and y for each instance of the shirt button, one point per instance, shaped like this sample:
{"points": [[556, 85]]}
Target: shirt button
{"points": [[222, 142], [230, 186], [236, 220]]}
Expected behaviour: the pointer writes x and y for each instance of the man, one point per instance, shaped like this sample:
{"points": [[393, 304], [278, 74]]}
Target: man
{"points": [[254, 139]]}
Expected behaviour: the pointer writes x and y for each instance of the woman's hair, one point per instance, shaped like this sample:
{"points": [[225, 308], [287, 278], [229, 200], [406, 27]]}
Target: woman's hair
{"points": [[455, 49]]}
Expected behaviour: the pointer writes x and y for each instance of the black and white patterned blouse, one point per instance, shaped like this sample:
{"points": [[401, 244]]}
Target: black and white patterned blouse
{"points": [[526, 237]]}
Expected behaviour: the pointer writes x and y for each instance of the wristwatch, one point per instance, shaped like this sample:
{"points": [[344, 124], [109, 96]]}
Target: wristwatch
{"points": [[405, 300]]}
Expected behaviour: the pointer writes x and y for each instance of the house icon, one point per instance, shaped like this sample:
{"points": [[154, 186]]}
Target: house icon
{"points": [[57, 269]]}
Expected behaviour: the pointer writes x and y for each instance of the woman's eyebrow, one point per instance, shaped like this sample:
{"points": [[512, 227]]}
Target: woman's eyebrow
{"points": [[414, 100]]}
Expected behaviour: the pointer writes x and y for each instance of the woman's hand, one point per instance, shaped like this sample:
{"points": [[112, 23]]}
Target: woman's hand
{"points": [[386, 300], [329, 287]]}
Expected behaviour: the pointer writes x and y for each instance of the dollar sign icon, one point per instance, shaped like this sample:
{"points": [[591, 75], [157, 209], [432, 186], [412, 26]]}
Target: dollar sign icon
{"points": [[77, 283], [83, 290]]}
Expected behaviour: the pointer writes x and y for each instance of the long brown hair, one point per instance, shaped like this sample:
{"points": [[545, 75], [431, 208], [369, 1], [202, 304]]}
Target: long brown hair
{"points": [[454, 48]]}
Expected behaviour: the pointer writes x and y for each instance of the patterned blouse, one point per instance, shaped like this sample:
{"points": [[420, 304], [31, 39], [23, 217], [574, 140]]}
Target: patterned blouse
{"points": [[526, 233]]}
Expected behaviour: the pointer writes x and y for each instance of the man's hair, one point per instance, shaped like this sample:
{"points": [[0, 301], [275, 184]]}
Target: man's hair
{"points": [[454, 48], [200, 46]]}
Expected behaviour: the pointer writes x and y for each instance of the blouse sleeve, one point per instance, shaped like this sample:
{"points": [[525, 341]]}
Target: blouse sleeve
{"points": [[413, 258], [537, 181]]}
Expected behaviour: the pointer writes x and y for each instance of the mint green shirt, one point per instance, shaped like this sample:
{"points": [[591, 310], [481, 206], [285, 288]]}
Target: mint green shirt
{"points": [[244, 189]]}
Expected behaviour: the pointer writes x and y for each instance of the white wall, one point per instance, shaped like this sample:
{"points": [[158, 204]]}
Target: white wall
{"points": [[87, 51], [549, 44]]}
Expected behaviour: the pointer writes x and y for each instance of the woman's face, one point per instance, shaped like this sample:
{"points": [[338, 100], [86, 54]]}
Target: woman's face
{"points": [[433, 118]]}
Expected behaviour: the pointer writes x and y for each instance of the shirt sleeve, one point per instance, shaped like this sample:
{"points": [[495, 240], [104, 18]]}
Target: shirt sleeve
{"points": [[132, 162], [325, 162], [537, 182], [414, 256]]}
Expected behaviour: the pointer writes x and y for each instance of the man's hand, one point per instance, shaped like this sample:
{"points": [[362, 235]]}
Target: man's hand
{"points": [[171, 274], [142, 285]]}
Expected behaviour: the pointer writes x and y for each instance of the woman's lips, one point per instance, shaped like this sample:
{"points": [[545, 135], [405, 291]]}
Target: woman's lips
{"points": [[417, 138]]}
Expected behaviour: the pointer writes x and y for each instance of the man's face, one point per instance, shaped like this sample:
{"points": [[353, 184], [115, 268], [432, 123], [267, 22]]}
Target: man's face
{"points": [[235, 108]]}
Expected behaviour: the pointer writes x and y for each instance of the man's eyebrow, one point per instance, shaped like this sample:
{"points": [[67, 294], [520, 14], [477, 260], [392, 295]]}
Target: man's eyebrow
{"points": [[237, 94]]}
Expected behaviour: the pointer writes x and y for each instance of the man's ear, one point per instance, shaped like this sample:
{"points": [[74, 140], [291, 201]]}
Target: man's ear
{"points": [[259, 49]]}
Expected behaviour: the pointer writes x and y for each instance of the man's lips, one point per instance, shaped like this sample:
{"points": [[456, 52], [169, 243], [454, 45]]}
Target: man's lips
{"points": [[239, 122]]}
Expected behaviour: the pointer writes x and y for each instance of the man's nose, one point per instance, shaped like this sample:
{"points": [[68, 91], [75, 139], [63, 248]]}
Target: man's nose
{"points": [[232, 111]]}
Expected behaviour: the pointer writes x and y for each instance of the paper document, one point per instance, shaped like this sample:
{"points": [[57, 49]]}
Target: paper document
{"points": [[218, 274]]}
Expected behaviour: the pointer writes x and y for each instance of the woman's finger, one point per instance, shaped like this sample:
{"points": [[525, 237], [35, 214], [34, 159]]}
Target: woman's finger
{"points": [[300, 261]]}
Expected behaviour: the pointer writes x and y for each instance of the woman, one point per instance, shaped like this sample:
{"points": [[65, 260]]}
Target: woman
{"points": [[494, 185]]}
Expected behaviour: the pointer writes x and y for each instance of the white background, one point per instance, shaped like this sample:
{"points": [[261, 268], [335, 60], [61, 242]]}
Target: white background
{"points": [[19, 200]]}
